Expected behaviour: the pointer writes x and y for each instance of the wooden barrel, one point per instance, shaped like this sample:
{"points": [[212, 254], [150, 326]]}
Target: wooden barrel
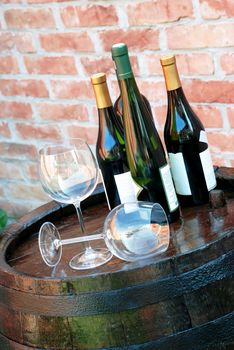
{"points": [[182, 299]]}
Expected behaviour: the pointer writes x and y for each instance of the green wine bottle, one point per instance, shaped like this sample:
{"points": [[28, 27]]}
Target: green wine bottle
{"points": [[117, 181], [145, 153], [186, 143]]}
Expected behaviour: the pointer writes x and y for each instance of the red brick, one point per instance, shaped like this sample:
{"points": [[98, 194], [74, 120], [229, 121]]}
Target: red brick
{"points": [[230, 113], [11, 1], [8, 65], [115, 89], [62, 42], [27, 191], [50, 65], [160, 115], [11, 109], [136, 39], [70, 17], [63, 112], [88, 133], [153, 91], [24, 42], [89, 16], [210, 116], [152, 12], [31, 170], [16, 209], [227, 63], [97, 15], [10, 170], [30, 18], [4, 130], [221, 142], [6, 41], [200, 36], [72, 89], [18, 150], [213, 9], [188, 64], [93, 65], [45, 1], [94, 114], [209, 91], [38, 132], [23, 87]]}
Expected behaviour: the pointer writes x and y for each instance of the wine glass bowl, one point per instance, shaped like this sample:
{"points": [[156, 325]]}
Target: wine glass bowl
{"points": [[136, 231], [69, 174]]}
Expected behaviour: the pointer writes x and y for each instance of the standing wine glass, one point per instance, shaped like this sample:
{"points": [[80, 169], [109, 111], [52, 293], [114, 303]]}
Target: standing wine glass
{"points": [[69, 174]]}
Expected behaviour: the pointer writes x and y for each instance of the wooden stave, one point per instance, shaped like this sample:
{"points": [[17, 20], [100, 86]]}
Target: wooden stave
{"points": [[220, 337], [177, 262]]}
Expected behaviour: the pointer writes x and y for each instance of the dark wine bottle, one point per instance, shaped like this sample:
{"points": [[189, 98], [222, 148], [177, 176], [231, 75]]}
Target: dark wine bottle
{"points": [[186, 143], [145, 153], [118, 183], [118, 108]]}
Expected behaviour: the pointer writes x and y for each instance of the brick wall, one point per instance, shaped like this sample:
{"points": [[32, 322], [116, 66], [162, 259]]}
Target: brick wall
{"points": [[50, 48]]}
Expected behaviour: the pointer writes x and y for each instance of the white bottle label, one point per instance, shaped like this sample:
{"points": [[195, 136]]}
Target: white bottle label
{"points": [[179, 174], [169, 187], [203, 137], [208, 169], [126, 187]]}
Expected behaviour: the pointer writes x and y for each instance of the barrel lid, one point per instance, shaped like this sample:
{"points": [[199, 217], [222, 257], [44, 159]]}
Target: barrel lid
{"points": [[98, 78], [119, 49], [167, 60]]}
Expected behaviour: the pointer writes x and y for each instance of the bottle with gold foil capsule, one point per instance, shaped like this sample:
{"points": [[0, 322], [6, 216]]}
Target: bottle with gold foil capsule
{"points": [[186, 143], [118, 183]]}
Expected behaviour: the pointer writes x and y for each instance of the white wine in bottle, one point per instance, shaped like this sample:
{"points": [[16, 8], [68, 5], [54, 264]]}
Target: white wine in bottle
{"points": [[186, 143]]}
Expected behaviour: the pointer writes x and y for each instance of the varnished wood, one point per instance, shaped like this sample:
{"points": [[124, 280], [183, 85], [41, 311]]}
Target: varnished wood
{"points": [[183, 297]]}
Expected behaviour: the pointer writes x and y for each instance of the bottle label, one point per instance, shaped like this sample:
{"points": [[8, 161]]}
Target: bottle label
{"points": [[203, 137], [179, 174], [126, 187], [169, 187], [208, 169]]}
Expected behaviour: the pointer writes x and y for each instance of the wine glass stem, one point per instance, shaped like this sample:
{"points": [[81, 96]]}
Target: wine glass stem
{"points": [[80, 239], [81, 221]]}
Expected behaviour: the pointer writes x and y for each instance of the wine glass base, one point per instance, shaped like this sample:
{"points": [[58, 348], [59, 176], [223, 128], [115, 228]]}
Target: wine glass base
{"points": [[48, 237], [90, 258]]}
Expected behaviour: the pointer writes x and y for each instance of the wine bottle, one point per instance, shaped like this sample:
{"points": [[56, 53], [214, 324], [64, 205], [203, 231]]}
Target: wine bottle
{"points": [[145, 153], [186, 143], [118, 108], [117, 180]]}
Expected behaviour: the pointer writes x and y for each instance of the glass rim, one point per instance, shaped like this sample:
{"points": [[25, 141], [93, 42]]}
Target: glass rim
{"points": [[65, 148]]}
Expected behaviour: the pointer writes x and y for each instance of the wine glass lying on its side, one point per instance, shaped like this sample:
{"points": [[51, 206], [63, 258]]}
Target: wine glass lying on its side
{"points": [[132, 231]]}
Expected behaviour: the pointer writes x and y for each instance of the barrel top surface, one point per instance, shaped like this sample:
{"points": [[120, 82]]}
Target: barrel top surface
{"points": [[199, 227]]}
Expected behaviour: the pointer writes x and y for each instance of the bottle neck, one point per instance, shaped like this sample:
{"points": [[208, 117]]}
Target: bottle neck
{"points": [[123, 67], [171, 76], [102, 95]]}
